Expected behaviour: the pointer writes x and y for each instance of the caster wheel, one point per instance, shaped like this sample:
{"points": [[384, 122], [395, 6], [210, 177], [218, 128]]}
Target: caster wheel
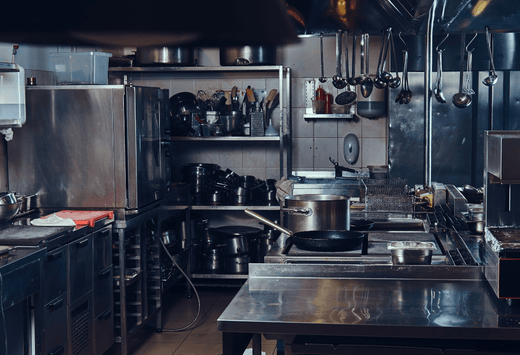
{"points": [[189, 295], [158, 330]]}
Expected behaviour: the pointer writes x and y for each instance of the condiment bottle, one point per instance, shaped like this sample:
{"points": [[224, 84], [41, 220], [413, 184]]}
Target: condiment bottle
{"points": [[320, 93], [328, 103]]}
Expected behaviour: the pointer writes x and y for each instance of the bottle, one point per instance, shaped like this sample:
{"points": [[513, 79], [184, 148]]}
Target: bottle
{"points": [[320, 93], [328, 103]]}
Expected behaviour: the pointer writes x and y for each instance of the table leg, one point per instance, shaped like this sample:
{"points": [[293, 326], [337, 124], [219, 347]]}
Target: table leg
{"points": [[257, 344], [235, 343]]}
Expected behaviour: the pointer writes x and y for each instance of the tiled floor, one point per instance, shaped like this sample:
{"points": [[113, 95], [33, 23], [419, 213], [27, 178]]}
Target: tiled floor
{"points": [[179, 311]]}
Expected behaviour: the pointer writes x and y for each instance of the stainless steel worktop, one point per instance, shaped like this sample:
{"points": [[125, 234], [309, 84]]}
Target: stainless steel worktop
{"points": [[420, 305]]}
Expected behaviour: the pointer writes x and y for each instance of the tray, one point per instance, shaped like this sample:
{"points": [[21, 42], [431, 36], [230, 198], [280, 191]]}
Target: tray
{"points": [[85, 218]]}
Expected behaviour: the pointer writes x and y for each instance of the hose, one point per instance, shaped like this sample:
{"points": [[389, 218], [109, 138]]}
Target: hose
{"points": [[186, 327]]}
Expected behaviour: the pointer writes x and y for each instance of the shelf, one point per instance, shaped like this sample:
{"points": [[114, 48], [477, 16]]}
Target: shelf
{"points": [[220, 276], [153, 69], [313, 116], [233, 208], [228, 139]]}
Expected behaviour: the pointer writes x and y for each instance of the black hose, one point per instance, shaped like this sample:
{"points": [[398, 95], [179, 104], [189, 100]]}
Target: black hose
{"points": [[186, 327]]}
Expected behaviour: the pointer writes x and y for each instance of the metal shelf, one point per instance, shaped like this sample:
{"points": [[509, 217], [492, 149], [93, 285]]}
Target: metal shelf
{"points": [[312, 116], [220, 276], [152, 69], [228, 139], [233, 208]]}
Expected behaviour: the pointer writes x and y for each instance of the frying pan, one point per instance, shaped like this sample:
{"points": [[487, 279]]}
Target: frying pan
{"points": [[361, 225], [317, 240]]}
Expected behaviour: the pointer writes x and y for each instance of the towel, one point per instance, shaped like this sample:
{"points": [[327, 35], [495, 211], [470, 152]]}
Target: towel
{"points": [[284, 188], [53, 221]]}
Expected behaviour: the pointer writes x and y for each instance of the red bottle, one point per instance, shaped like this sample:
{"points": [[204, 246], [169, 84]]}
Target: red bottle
{"points": [[328, 103], [320, 93]]}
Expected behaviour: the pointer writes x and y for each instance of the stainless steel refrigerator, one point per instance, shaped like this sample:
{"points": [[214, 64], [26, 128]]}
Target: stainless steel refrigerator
{"points": [[92, 146]]}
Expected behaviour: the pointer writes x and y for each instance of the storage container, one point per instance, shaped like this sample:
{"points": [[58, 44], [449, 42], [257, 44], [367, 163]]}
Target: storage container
{"points": [[81, 68]]}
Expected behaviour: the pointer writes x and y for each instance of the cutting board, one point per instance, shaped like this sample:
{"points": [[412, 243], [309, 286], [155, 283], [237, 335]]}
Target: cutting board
{"points": [[85, 218]]}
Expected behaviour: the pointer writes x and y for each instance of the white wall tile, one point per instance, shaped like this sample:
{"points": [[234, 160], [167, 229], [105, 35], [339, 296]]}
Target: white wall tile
{"points": [[302, 153], [323, 149], [272, 152], [374, 127], [182, 85], [209, 85], [231, 157], [160, 80], [351, 125], [254, 155], [373, 151], [326, 128], [300, 127], [272, 174]]}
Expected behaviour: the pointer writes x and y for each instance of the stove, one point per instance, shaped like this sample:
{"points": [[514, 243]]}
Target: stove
{"points": [[373, 251]]}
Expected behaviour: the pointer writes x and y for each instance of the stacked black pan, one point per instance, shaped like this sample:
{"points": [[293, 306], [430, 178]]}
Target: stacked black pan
{"points": [[200, 176]]}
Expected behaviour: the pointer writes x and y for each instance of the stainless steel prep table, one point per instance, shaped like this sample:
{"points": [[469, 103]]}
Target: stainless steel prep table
{"points": [[461, 312]]}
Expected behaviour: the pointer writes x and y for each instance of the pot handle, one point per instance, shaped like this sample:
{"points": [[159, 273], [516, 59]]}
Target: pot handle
{"points": [[298, 210], [267, 221]]}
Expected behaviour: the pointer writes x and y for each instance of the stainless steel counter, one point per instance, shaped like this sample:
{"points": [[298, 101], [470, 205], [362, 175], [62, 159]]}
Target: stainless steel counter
{"points": [[415, 304]]}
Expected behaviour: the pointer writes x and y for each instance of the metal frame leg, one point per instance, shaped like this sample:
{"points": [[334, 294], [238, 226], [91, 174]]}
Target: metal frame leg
{"points": [[235, 343], [257, 344]]}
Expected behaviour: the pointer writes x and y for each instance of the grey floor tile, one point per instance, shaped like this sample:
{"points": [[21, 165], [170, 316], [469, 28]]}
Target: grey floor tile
{"points": [[156, 349], [199, 348]]}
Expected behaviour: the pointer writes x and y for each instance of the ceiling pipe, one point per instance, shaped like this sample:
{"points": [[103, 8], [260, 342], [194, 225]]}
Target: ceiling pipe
{"points": [[428, 99]]}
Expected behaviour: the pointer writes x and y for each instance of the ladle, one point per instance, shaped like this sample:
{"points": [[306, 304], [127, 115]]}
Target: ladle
{"points": [[353, 80], [462, 99], [378, 81], [384, 75], [396, 80], [492, 78], [347, 97], [337, 81], [322, 78], [367, 85], [437, 90]]}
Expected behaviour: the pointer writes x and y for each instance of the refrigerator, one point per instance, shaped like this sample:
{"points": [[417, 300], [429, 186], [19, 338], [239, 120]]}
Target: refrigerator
{"points": [[92, 147]]}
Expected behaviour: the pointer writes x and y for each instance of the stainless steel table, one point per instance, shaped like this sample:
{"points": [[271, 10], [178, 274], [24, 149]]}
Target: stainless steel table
{"points": [[322, 314]]}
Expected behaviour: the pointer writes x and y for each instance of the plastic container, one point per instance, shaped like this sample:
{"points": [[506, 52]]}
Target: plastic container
{"points": [[81, 68]]}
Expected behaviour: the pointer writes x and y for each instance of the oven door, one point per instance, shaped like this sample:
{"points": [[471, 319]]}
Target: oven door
{"points": [[147, 152]]}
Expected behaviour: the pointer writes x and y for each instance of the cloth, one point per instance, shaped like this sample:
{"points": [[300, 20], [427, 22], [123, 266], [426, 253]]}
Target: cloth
{"points": [[284, 188], [53, 221], [8, 133]]}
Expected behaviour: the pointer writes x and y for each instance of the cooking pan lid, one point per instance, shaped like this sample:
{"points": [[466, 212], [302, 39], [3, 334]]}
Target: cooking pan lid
{"points": [[237, 230]]}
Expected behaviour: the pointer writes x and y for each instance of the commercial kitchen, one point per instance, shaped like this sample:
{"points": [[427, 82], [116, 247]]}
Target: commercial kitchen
{"points": [[350, 169]]}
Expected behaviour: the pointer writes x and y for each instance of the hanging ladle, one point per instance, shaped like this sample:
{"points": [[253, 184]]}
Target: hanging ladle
{"points": [[367, 85], [322, 78], [353, 80], [337, 80], [347, 97], [437, 90], [463, 99], [396, 80], [492, 78]]}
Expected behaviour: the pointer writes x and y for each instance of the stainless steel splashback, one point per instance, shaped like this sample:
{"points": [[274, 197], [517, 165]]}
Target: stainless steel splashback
{"points": [[96, 146]]}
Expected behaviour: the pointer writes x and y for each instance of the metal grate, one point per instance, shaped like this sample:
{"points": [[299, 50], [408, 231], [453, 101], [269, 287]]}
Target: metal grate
{"points": [[386, 195], [80, 331]]}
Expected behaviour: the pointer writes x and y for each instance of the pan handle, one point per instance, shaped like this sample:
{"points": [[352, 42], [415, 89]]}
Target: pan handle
{"points": [[298, 210], [268, 222]]}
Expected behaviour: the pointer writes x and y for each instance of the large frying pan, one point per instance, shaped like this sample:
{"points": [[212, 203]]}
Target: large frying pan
{"points": [[317, 240]]}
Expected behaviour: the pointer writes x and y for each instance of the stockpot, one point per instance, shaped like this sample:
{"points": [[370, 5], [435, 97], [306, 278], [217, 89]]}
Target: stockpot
{"points": [[248, 55], [236, 238], [317, 212], [165, 56]]}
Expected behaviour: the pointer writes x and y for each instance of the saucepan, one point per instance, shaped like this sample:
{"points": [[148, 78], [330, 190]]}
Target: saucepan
{"points": [[329, 240]]}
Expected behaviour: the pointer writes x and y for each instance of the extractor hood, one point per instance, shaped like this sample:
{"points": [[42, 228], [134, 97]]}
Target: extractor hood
{"points": [[137, 23], [366, 16]]}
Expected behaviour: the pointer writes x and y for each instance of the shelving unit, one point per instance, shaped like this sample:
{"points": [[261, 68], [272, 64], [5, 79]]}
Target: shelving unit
{"points": [[283, 139], [313, 116]]}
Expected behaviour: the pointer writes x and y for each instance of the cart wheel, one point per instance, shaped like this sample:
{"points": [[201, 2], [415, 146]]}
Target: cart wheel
{"points": [[158, 330], [189, 295]]}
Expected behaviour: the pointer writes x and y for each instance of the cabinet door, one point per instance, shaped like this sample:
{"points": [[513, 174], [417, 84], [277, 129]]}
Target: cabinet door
{"points": [[55, 320], [103, 331], [80, 267], [102, 288], [55, 274], [102, 241]]}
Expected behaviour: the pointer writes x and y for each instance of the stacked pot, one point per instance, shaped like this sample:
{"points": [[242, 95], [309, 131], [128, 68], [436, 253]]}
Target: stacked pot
{"points": [[209, 250], [237, 242], [200, 176]]}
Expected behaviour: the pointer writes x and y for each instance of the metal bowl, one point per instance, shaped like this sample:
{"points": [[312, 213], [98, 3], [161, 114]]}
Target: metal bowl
{"points": [[412, 253], [7, 198], [7, 212]]}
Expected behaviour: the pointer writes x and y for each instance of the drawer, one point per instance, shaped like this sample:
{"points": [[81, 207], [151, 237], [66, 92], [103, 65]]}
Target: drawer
{"points": [[55, 323], [80, 267], [103, 331], [102, 241], [80, 326], [102, 288], [54, 274], [60, 349]]}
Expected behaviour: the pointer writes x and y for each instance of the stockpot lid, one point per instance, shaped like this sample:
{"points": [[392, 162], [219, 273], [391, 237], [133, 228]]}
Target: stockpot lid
{"points": [[237, 231]]}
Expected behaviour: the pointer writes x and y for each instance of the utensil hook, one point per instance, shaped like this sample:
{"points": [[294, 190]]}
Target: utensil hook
{"points": [[402, 40], [467, 46], [438, 47]]}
